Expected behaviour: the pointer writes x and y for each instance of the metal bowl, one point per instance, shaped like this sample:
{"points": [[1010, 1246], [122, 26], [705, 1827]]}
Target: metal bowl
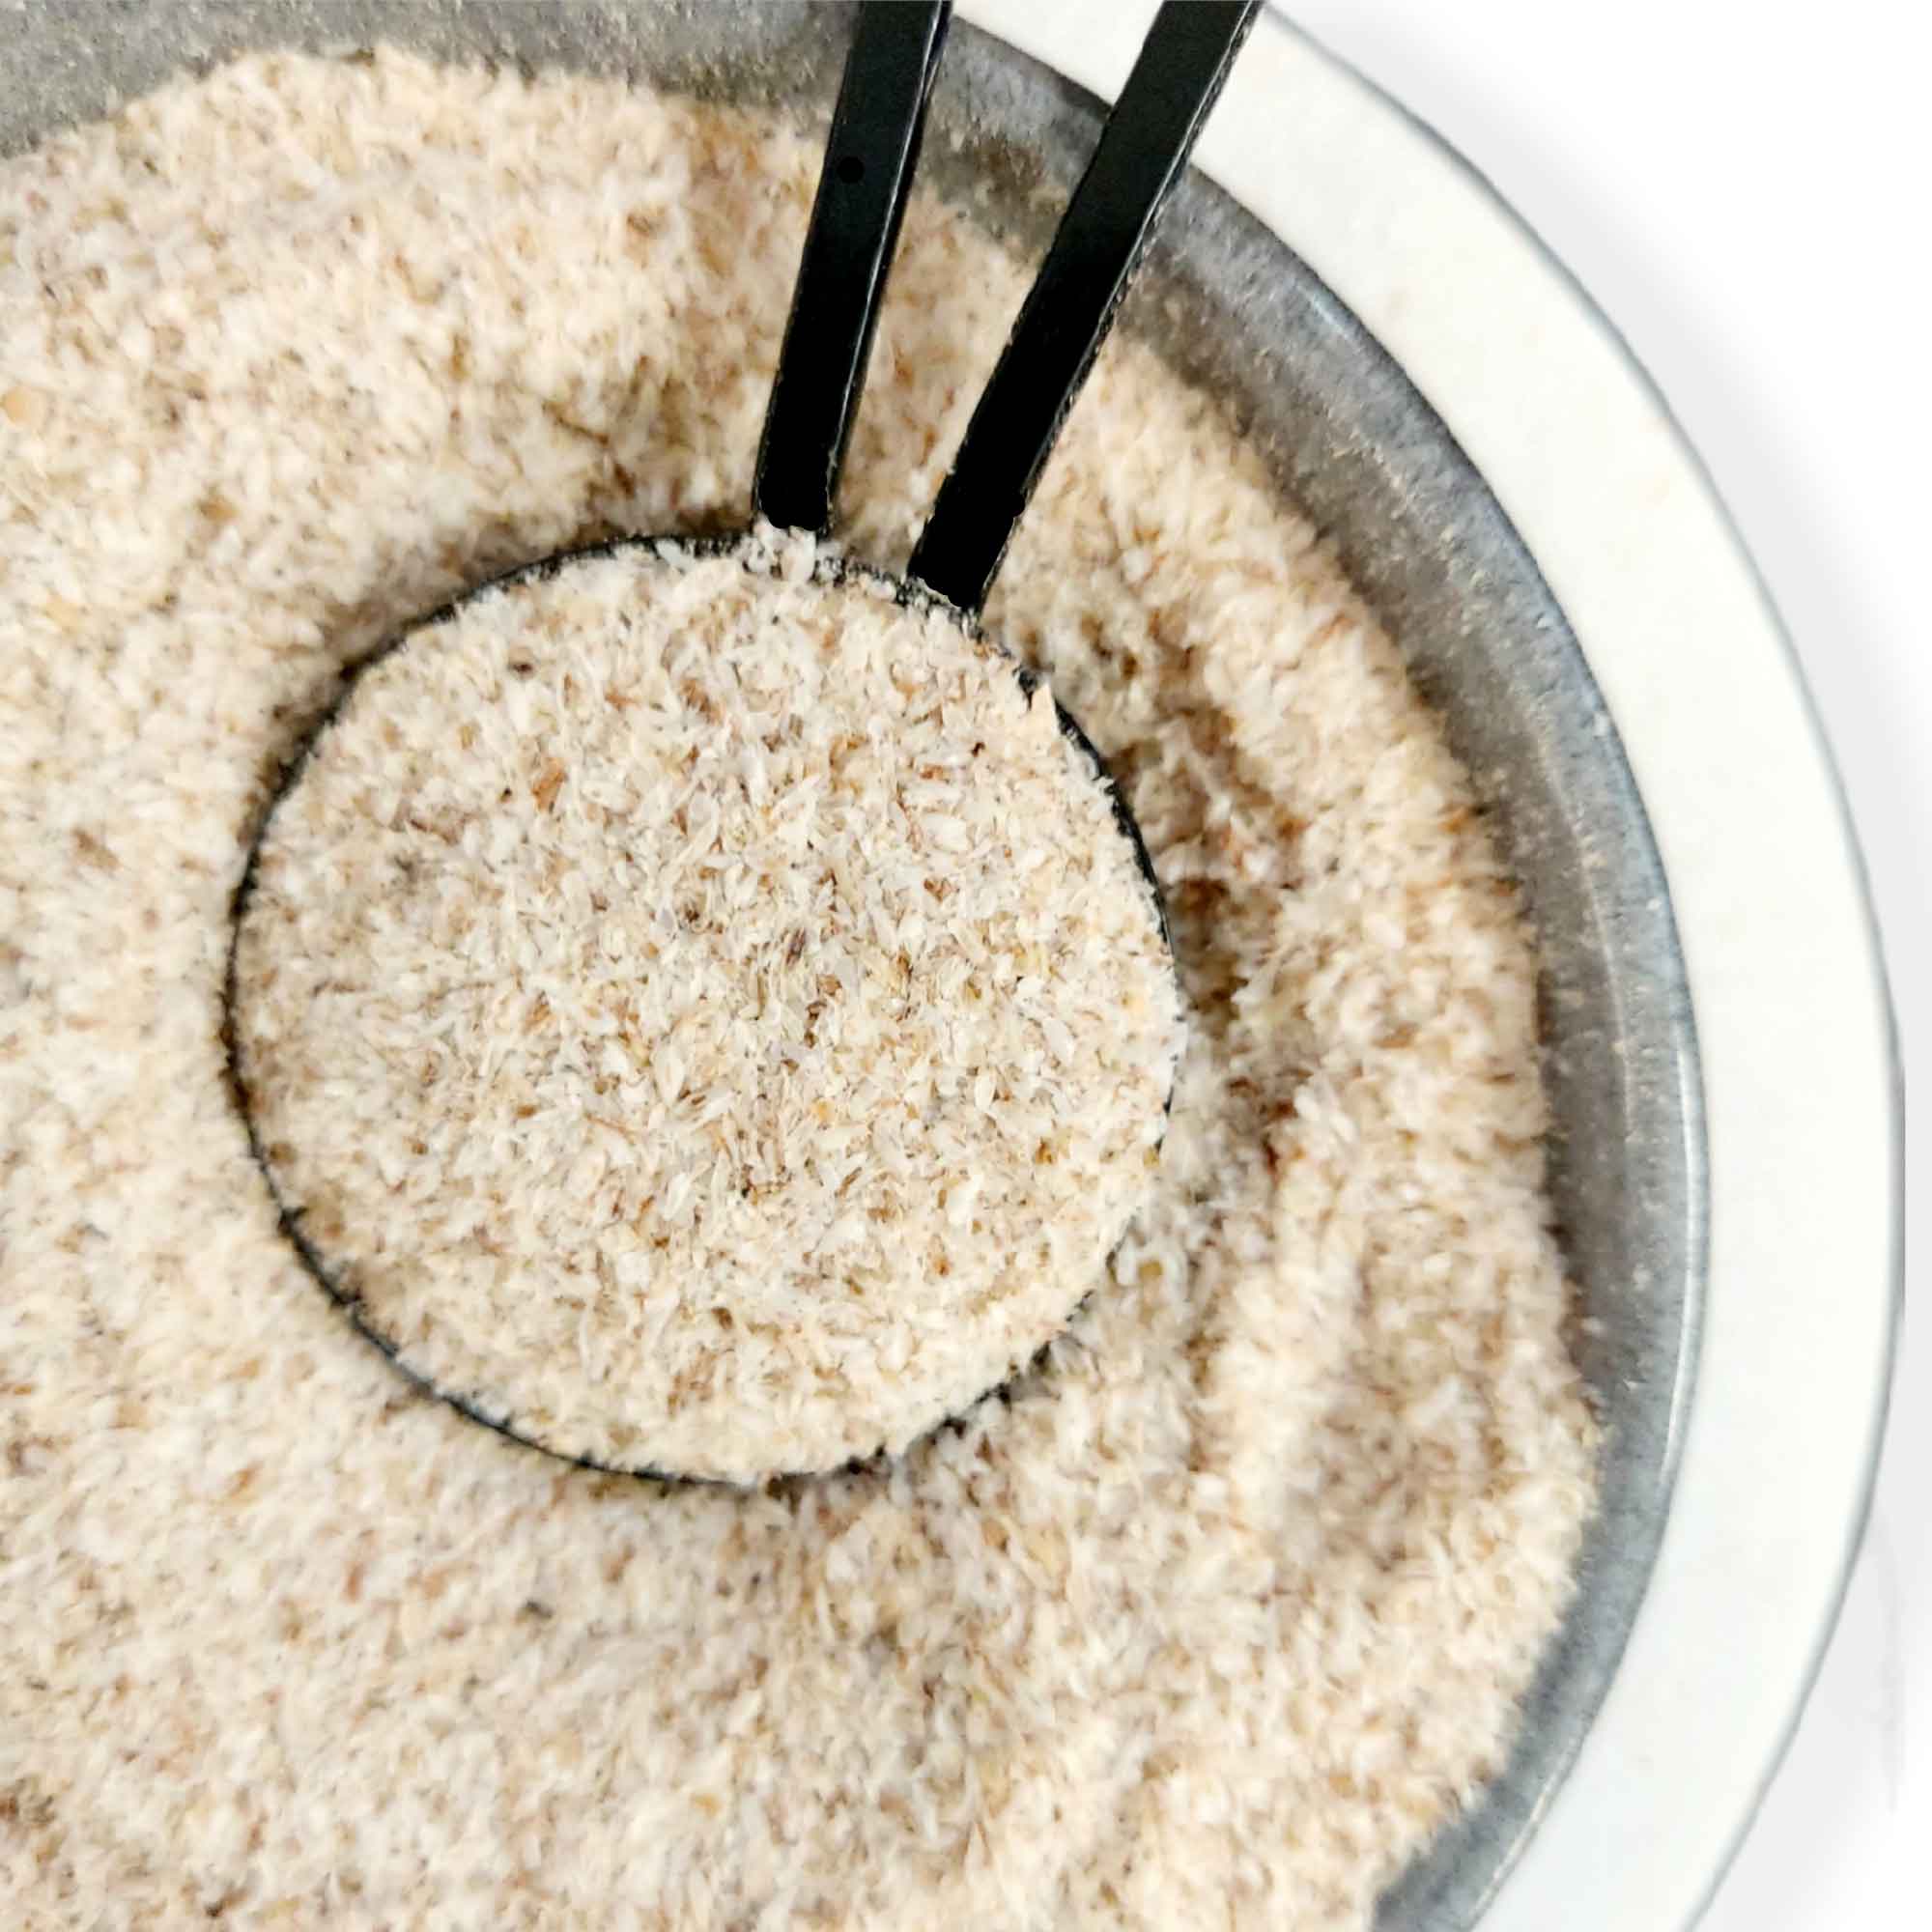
{"points": [[1360, 450]]}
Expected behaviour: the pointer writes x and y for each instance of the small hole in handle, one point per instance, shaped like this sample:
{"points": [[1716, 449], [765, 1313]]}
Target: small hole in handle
{"points": [[851, 170]]}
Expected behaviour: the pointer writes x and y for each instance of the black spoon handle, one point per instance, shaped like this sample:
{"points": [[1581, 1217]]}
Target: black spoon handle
{"points": [[1067, 312], [870, 157]]}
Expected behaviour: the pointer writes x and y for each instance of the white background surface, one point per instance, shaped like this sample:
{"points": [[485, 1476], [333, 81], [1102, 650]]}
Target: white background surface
{"points": [[1744, 190]]}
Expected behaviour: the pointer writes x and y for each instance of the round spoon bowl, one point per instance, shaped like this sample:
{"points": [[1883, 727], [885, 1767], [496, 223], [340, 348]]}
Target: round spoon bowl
{"points": [[701, 1007]]}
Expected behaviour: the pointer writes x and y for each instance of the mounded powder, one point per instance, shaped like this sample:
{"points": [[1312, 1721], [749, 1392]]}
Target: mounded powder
{"points": [[1213, 1621], [705, 1013]]}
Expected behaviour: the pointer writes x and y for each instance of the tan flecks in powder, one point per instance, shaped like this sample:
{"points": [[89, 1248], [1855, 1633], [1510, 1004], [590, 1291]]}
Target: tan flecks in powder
{"points": [[1214, 1621], [710, 1018]]}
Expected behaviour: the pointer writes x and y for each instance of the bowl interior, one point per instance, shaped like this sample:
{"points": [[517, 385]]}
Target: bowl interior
{"points": [[1359, 450]]}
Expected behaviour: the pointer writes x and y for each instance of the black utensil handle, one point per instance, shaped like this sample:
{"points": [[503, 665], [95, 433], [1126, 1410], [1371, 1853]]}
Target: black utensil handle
{"points": [[1067, 314], [870, 157]]}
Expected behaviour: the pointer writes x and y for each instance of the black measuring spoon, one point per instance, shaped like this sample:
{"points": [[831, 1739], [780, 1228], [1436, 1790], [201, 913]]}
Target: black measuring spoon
{"points": [[860, 203]]}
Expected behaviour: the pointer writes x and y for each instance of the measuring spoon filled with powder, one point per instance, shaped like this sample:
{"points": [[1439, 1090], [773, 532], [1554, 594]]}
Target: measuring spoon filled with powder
{"points": [[698, 1004]]}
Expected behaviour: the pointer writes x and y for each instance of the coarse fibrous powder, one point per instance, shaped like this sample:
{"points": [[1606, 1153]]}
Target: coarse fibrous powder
{"points": [[708, 1018], [1213, 1621]]}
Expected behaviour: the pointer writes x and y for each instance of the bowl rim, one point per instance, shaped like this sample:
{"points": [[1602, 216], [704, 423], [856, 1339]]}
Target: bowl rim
{"points": [[1703, 683]]}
